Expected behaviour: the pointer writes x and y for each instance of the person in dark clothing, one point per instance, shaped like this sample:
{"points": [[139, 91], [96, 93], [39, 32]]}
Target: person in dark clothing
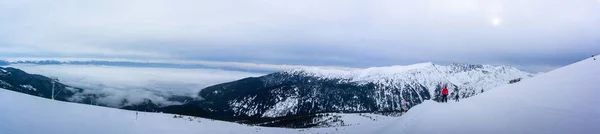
{"points": [[456, 97], [445, 94]]}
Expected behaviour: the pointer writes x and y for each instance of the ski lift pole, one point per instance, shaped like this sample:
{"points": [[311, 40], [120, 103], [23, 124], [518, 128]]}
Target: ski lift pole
{"points": [[54, 79], [52, 89]]}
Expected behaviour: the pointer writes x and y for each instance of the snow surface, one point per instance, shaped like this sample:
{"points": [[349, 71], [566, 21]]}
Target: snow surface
{"points": [[289, 105], [29, 87], [564, 101], [25, 114]]}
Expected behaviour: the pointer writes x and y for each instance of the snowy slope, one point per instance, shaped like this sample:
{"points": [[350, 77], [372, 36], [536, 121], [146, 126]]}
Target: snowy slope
{"points": [[562, 101], [24, 114]]}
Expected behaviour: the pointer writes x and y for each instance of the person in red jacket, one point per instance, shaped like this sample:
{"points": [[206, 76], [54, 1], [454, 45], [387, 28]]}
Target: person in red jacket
{"points": [[445, 94]]}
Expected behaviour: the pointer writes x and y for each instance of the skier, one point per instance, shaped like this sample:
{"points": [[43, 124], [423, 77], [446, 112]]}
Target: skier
{"points": [[445, 94]]}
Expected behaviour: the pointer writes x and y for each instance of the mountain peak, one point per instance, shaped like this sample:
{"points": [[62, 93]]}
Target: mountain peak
{"points": [[426, 67], [473, 75], [394, 68]]}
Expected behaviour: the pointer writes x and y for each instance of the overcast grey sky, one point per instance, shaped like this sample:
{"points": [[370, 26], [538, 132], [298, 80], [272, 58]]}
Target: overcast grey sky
{"points": [[535, 35]]}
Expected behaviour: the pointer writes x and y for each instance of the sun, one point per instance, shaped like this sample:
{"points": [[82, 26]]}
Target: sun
{"points": [[496, 21]]}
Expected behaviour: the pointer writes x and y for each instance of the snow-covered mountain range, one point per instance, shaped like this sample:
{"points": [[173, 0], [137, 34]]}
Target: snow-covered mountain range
{"points": [[379, 89], [304, 92], [466, 77], [560, 101]]}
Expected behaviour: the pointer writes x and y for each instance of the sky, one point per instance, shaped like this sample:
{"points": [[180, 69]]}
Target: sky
{"points": [[533, 35]]}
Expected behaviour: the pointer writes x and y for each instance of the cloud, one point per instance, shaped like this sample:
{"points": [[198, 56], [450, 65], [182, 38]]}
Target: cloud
{"points": [[248, 67], [348, 33], [133, 85]]}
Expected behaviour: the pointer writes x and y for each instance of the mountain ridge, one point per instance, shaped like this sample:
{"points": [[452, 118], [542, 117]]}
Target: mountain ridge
{"points": [[316, 90]]}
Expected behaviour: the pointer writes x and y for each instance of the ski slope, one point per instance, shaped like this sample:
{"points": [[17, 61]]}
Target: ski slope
{"points": [[564, 101], [25, 114]]}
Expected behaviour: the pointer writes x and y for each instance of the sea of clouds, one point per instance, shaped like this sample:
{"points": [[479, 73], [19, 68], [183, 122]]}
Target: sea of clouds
{"points": [[133, 85]]}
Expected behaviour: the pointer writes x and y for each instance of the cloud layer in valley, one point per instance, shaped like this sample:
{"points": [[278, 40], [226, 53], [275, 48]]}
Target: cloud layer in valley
{"points": [[116, 84]]}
